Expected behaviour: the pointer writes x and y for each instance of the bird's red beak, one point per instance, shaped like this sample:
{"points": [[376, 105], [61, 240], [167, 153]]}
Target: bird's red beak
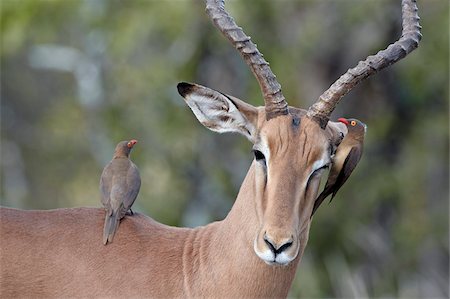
{"points": [[132, 143], [344, 121]]}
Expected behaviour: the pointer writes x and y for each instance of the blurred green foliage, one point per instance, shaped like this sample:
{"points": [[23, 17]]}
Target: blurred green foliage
{"points": [[79, 76]]}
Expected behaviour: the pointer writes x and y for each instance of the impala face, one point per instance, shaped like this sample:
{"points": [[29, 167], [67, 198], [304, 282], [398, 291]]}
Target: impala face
{"points": [[291, 153]]}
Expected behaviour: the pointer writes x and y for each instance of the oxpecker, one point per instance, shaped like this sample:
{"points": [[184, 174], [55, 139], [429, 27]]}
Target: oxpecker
{"points": [[347, 155], [119, 186]]}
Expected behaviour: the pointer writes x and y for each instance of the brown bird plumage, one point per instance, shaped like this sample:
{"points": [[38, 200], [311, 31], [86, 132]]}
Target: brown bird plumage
{"points": [[345, 159], [119, 185]]}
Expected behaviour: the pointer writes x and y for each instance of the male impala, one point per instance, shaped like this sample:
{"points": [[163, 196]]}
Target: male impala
{"points": [[253, 252]]}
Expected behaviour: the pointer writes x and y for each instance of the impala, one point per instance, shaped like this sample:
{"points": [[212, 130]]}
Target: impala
{"points": [[253, 252]]}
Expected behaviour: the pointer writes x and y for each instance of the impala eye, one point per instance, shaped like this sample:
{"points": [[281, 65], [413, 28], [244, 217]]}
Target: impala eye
{"points": [[259, 156], [320, 169], [315, 174]]}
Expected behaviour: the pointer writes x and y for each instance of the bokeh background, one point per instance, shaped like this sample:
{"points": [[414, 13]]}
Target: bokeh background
{"points": [[79, 76]]}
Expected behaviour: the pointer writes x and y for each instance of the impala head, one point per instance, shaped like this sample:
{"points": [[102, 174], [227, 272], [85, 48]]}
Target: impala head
{"points": [[291, 146], [291, 152]]}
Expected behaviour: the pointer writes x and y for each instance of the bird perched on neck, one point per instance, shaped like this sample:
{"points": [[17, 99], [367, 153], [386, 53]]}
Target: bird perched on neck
{"points": [[347, 156], [119, 186]]}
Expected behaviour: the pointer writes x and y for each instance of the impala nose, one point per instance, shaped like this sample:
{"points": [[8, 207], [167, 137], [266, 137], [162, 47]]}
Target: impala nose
{"points": [[277, 247]]}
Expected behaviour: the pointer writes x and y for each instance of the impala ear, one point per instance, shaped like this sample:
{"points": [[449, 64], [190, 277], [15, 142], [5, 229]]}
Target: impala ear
{"points": [[337, 131], [219, 112]]}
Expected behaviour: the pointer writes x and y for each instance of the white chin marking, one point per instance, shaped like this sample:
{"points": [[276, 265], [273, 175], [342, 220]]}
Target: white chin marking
{"points": [[265, 255], [269, 258], [283, 259]]}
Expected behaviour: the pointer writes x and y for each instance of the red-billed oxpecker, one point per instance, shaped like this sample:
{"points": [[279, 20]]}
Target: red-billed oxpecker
{"points": [[119, 186], [345, 159]]}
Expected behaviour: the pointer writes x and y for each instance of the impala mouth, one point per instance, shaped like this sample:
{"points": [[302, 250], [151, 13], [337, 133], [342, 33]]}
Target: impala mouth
{"points": [[274, 259]]}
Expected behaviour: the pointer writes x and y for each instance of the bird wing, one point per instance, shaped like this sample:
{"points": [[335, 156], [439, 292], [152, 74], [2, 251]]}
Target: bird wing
{"points": [[332, 186], [350, 163], [327, 191], [106, 185], [342, 153], [133, 186]]}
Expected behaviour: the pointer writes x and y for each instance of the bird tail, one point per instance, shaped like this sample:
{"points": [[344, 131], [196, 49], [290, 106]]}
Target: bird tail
{"points": [[111, 224]]}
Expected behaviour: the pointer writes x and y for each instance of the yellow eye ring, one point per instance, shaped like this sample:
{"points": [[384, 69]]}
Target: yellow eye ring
{"points": [[353, 123]]}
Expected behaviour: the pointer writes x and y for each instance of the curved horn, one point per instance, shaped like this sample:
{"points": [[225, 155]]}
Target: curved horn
{"points": [[275, 102], [322, 109]]}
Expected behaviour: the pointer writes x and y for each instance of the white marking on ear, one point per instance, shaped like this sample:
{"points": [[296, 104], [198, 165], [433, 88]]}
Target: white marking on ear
{"points": [[217, 111], [337, 129]]}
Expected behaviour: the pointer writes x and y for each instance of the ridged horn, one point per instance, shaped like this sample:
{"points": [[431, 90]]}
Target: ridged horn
{"points": [[409, 41], [275, 103]]}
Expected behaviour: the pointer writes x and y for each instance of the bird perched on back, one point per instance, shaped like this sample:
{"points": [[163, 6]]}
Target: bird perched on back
{"points": [[119, 186], [347, 156]]}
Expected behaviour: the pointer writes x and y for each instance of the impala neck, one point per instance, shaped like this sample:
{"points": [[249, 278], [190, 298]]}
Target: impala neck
{"points": [[242, 220], [232, 248]]}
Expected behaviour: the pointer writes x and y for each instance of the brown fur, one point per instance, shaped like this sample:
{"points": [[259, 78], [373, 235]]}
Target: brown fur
{"points": [[59, 253]]}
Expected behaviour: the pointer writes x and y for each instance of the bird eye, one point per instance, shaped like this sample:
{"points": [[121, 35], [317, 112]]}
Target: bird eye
{"points": [[353, 123], [259, 156]]}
